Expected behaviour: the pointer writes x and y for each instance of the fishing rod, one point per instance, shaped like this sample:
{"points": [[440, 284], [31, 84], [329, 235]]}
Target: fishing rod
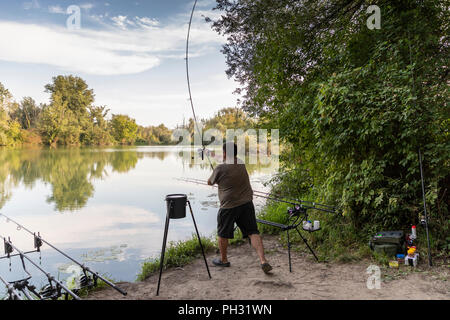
{"points": [[296, 204], [189, 87], [285, 198], [85, 280], [51, 292], [12, 292], [430, 263]]}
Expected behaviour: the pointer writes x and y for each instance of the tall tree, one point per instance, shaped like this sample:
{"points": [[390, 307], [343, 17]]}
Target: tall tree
{"points": [[72, 91], [353, 105], [123, 129], [27, 113]]}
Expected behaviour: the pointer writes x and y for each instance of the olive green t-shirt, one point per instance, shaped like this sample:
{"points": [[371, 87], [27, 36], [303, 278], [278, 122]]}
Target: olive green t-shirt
{"points": [[234, 185]]}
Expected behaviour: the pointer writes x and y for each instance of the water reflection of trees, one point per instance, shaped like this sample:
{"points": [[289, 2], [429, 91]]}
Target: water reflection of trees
{"points": [[70, 172], [193, 160]]}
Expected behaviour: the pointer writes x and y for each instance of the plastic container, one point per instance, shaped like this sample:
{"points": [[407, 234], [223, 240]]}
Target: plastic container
{"points": [[307, 225], [412, 261], [316, 225], [401, 258]]}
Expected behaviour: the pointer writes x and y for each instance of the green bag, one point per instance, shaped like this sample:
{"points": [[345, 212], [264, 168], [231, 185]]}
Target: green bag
{"points": [[389, 242], [389, 249]]}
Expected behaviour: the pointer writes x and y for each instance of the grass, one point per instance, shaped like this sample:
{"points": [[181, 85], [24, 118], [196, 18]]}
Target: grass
{"points": [[177, 254], [180, 253]]}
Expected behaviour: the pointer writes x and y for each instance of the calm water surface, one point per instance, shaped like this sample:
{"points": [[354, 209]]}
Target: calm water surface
{"points": [[105, 207]]}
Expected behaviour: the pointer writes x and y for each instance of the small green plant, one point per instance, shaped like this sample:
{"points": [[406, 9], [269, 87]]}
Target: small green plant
{"points": [[177, 254]]}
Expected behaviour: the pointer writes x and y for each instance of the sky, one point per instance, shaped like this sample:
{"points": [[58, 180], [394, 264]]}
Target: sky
{"points": [[131, 53]]}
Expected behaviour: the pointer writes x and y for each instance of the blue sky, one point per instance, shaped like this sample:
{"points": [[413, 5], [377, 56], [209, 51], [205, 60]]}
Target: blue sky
{"points": [[130, 52]]}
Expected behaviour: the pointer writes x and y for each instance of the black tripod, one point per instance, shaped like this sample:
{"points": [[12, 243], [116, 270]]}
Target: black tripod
{"points": [[176, 209]]}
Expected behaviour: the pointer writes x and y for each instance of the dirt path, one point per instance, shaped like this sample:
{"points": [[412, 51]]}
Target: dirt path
{"points": [[309, 280]]}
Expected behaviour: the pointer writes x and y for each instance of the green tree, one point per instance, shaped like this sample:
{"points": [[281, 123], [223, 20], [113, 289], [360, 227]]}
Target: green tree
{"points": [[54, 120], [73, 92], [27, 113], [97, 131], [10, 131], [353, 105], [71, 119], [123, 129]]}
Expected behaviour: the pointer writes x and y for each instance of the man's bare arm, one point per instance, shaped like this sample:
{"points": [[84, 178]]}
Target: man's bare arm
{"points": [[209, 182]]}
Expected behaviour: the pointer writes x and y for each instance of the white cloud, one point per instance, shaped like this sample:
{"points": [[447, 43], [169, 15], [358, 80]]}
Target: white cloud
{"points": [[87, 6], [106, 52], [146, 22], [33, 4], [56, 9], [121, 22]]}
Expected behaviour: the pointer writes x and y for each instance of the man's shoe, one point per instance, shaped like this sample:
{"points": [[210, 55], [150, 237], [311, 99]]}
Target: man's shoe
{"points": [[217, 262], [266, 267]]}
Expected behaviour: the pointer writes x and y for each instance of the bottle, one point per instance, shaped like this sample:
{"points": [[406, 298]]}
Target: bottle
{"points": [[413, 233]]}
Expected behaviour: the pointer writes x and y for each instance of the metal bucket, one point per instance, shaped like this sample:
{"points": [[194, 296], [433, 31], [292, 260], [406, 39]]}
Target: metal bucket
{"points": [[176, 206]]}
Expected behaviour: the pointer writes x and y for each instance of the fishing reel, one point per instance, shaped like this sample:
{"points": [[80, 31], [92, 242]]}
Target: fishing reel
{"points": [[296, 211], [51, 292], [88, 282], [202, 152]]}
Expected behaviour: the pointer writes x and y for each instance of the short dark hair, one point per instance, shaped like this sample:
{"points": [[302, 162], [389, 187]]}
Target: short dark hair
{"points": [[230, 145]]}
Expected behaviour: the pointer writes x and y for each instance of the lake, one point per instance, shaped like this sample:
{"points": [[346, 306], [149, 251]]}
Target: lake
{"points": [[105, 207]]}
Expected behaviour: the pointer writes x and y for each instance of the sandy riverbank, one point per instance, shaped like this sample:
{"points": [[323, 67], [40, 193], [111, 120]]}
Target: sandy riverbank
{"points": [[309, 280]]}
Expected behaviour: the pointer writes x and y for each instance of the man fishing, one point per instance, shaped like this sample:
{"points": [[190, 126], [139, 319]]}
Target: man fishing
{"points": [[236, 206]]}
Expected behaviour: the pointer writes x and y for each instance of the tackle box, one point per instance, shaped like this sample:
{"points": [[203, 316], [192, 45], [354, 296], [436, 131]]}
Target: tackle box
{"points": [[389, 242]]}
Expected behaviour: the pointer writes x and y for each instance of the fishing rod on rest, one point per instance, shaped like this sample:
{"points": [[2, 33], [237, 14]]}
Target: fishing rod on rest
{"points": [[48, 275], [296, 204], [85, 268], [12, 292], [284, 198], [21, 285]]}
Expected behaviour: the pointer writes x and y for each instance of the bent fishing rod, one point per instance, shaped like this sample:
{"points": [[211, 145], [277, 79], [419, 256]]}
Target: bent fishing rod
{"points": [[48, 275], [86, 269], [298, 204], [12, 292], [189, 88]]}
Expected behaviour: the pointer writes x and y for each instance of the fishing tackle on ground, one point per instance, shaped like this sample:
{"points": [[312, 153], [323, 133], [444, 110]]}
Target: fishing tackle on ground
{"points": [[89, 278], [13, 294], [54, 288]]}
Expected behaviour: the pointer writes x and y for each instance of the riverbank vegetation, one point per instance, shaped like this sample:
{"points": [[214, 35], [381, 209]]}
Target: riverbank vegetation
{"points": [[353, 106], [71, 118]]}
